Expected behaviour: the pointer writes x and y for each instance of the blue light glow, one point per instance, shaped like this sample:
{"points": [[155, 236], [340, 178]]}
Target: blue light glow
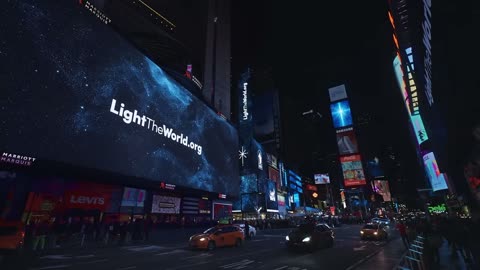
{"points": [[341, 114]]}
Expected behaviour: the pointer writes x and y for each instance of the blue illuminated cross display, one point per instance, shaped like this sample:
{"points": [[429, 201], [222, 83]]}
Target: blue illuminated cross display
{"points": [[341, 114]]}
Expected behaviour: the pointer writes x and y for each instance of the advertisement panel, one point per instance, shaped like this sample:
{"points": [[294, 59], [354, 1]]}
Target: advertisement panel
{"points": [[133, 197], [312, 188], [347, 141], [341, 114], [97, 102], [248, 183], [337, 93], [273, 174], [271, 196], [399, 74], [419, 128], [165, 204], [352, 168], [222, 212], [437, 179], [382, 187], [321, 178]]}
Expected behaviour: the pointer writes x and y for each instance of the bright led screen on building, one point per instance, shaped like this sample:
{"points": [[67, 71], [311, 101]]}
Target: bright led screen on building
{"points": [[419, 128], [347, 141], [437, 179], [352, 168], [341, 114], [76, 92]]}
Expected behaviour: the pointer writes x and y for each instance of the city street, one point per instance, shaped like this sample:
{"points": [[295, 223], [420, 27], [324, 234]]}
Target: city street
{"points": [[265, 251]]}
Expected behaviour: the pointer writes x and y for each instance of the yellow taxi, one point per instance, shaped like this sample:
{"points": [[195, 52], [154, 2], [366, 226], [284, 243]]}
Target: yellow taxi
{"points": [[373, 231], [218, 236]]}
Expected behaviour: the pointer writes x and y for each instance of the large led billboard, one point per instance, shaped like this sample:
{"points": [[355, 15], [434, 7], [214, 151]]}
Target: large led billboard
{"points": [[271, 196], [419, 128], [347, 141], [165, 204], [337, 93], [382, 188], [75, 92], [321, 178], [437, 179], [341, 114], [399, 74], [248, 183], [352, 168]]}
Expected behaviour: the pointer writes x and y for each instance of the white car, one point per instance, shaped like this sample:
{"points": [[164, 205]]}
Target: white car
{"points": [[251, 230]]}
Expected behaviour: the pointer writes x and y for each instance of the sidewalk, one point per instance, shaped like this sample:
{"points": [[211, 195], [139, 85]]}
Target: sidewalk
{"points": [[391, 254]]}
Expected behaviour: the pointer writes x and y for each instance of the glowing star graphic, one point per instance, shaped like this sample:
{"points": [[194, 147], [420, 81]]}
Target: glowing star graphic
{"points": [[242, 154], [341, 114]]}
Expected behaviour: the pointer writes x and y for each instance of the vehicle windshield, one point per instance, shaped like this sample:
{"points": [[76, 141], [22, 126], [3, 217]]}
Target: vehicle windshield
{"points": [[305, 228], [370, 226], [211, 230]]}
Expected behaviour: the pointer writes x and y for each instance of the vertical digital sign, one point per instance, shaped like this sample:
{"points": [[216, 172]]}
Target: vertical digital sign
{"points": [[341, 114], [437, 179], [352, 168], [419, 128]]}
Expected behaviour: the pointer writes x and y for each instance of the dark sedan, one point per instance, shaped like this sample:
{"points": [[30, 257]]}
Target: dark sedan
{"points": [[310, 237]]}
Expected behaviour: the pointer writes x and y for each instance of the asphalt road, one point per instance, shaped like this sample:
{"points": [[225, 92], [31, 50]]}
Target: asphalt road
{"points": [[266, 251]]}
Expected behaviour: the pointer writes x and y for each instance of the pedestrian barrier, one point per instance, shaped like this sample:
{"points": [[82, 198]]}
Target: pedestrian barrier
{"points": [[413, 258]]}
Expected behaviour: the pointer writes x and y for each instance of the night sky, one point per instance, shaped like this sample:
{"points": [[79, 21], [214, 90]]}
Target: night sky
{"points": [[311, 48]]}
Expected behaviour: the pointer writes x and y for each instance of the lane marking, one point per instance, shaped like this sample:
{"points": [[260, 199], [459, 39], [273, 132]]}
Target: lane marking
{"points": [[57, 257], [95, 261], [52, 267], [238, 265], [170, 252], [280, 268], [144, 248], [84, 256], [353, 266], [199, 256]]}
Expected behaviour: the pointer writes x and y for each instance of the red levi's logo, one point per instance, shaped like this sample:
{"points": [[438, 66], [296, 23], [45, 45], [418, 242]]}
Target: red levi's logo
{"points": [[87, 200]]}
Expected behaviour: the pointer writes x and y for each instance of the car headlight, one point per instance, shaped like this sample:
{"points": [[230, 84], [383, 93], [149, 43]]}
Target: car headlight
{"points": [[306, 239], [361, 232], [375, 233], [287, 238], [202, 239]]}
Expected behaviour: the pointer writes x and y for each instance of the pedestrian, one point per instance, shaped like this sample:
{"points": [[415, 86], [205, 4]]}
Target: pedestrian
{"points": [[402, 229], [40, 235], [247, 230]]}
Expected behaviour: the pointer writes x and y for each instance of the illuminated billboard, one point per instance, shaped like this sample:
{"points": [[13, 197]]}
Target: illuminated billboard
{"points": [[347, 141], [341, 114], [382, 187], [337, 93], [271, 196], [437, 179], [165, 204], [352, 168], [419, 128], [321, 178], [88, 98], [399, 74]]}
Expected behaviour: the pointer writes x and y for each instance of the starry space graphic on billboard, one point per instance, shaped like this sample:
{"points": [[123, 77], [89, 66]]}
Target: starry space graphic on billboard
{"points": [[74, 91]]}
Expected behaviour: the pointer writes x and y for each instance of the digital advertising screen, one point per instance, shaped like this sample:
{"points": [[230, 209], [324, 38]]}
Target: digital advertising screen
{"points": [[383, 188], [222, 211], [165, 204], [337, 93], [374, 168], [248, 183], [437, 179], [274, 174], [399, 75], [341, 114], [133, 197], [271, 196], [419, 128], [253, 202], [75, 92], [352, 168], [321, 178], [347, 141]]}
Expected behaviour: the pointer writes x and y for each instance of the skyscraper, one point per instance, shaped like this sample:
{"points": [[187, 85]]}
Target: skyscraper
{"points": [[217, 74]]}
